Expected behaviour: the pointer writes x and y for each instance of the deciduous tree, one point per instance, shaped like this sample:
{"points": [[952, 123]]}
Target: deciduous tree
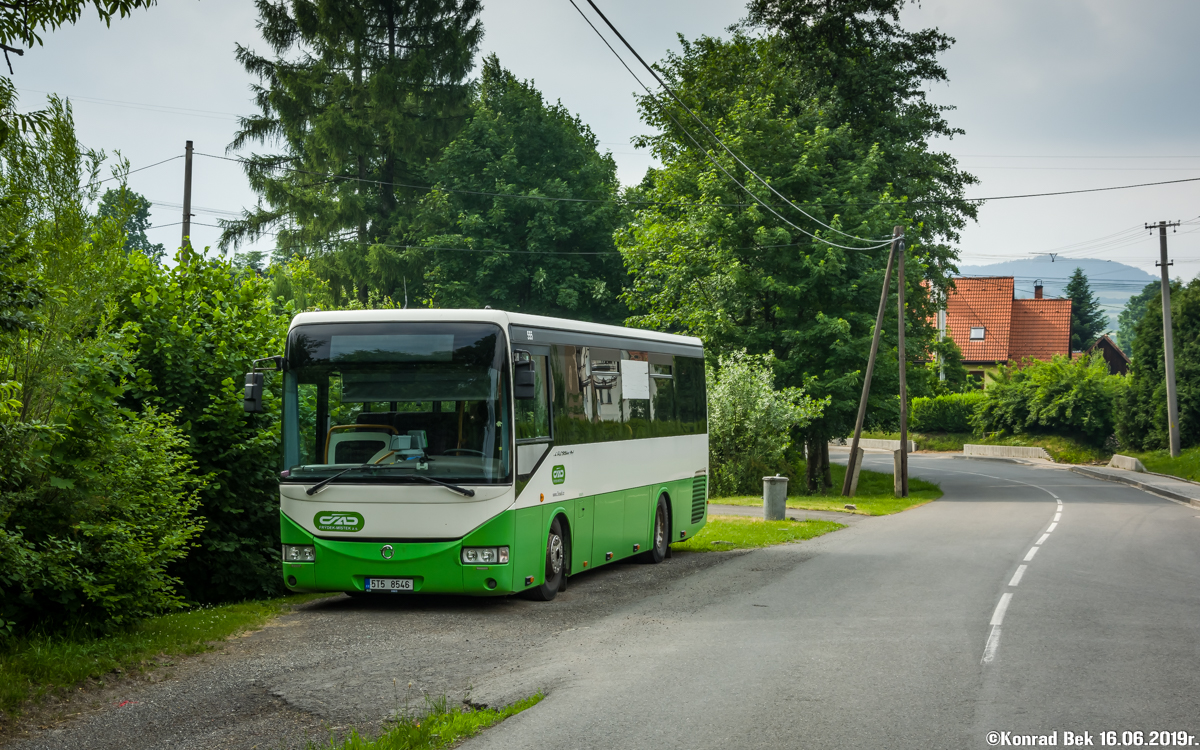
{"points": [[706, 259], [512, 248]]}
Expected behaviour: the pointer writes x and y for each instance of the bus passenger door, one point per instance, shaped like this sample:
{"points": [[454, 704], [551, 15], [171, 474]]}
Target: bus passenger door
{"points": [[608, 531]]}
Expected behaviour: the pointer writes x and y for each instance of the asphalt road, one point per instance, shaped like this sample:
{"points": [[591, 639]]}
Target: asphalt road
{"points": [[882, 635], [879, 635]]}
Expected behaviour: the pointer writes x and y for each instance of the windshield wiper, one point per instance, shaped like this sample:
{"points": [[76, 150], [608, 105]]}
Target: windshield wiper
{"points": [[313, 490], [461, 490], [447, 485]]}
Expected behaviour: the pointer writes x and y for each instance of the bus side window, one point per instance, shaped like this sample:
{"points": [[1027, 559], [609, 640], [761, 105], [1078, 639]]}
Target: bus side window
{"points": [[533, 415]]}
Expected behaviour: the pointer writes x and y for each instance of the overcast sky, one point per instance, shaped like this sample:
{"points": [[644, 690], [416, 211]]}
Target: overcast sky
{"points": [[1053, 95]]}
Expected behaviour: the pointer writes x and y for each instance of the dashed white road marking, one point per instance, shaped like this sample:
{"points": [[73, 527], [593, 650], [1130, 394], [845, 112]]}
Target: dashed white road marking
{"points": [[1001, 608], [1017, 576], [993, 640], [993, 643]]}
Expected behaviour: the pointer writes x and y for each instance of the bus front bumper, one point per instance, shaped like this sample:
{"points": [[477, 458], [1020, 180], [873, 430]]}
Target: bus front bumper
{"points": [[433, 567]]}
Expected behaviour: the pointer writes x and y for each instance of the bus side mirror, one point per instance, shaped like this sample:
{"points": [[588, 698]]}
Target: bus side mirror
{"points": [[252, 402], [524, 377]]}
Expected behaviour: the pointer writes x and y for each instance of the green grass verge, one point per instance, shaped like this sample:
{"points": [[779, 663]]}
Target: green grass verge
{"points": [[32, 666], [875, 497], [746, 532], [1064, 450], [439, 727], [1186, 466]]}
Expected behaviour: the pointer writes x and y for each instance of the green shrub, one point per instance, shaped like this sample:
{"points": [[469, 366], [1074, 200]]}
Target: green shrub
{"points": [[950, 413], [750, 423], [104, 504], [1074, 398], [199, 325]]}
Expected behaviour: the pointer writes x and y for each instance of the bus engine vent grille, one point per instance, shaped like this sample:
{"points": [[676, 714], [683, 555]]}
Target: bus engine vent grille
{"points": [[699, 485]]}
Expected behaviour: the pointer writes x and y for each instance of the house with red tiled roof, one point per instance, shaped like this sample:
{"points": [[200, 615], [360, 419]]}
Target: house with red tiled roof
{"points": [[992, 327]]}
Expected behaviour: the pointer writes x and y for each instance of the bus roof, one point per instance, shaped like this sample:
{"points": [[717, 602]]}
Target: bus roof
{"points": [[499, 317]]}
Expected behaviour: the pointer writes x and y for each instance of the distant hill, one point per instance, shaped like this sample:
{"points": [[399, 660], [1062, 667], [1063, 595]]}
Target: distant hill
{"points": [[1112, 282]]}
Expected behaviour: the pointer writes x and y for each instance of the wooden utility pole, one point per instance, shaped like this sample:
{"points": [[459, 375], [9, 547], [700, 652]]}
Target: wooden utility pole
{"points": [[902, 356], [897, 234], [1168, 342], [187, 196]]}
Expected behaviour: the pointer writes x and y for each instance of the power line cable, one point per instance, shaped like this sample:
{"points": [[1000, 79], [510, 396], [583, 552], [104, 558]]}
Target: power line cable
{"points": [[705, 151], [139, 169], [704, 125], [480, 249]]}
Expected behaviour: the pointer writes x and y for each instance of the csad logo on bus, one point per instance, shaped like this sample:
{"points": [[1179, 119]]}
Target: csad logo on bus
{"points": [[558, 474], [338, 520]]}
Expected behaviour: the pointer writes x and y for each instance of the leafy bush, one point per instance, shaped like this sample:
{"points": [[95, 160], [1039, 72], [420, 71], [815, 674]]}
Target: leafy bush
{"points": [[92, 519], [750, 423], [198, 326], [949, 413], [1075, 398]]}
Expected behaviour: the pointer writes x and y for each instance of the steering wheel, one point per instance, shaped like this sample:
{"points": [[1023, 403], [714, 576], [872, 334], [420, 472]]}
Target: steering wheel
{"points": [[462, 450]]}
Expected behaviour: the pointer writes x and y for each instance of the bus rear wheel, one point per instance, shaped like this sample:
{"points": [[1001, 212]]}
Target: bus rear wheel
{"points": [[556, 565]]}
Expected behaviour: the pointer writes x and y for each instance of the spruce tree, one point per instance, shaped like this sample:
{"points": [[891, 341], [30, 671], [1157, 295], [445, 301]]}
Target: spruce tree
{"points": [[1088, 320], [360, 94]]}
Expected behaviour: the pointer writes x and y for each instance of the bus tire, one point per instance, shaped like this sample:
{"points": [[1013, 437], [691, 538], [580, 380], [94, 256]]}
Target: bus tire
{"points": [[556, 565], [660, 540]]}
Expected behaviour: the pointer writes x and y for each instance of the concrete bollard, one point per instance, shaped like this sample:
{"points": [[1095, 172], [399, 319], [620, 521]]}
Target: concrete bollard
{"points": [[857, 468], [775, 498], [897, 474]]}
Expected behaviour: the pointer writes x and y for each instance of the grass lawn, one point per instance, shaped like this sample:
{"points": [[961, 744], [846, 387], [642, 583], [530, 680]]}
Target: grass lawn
{"points": [[1187, 466], [32, 666], [438, 727], [1064, 450], [875, 497], [747, 532]]}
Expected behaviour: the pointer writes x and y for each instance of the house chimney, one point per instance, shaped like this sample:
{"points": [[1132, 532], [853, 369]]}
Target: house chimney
{"points": [[1037, 289]]}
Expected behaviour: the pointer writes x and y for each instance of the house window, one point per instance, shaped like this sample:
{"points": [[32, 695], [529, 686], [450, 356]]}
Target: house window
{"points": [[977, 333]]}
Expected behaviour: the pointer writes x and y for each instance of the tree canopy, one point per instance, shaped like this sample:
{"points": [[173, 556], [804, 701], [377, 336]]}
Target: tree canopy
{"points": [[504, 244], [705, 259], [1142, 423], [134, 209], [359, 96]]}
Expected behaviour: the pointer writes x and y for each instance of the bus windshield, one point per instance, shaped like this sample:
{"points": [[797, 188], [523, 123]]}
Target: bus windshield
{"points": [[406, 399]]}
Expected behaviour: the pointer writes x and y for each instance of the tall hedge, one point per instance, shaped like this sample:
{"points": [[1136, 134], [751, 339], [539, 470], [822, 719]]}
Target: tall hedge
{"points": [[949, 413], [199, 325]]}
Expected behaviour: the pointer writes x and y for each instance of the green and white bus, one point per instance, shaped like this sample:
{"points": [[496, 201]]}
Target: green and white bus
{"points": [[483, 452]]}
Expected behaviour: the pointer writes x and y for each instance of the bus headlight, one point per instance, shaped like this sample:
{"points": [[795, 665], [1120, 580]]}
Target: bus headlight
{"points": [[484, 555], [299, 553]]}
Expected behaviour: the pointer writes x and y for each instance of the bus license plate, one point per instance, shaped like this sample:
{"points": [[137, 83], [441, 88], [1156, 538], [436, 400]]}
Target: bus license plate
{"points": [[389, 584]]}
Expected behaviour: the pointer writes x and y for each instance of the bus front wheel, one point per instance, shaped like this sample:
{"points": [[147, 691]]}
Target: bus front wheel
{"points": [[556, 565]]}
